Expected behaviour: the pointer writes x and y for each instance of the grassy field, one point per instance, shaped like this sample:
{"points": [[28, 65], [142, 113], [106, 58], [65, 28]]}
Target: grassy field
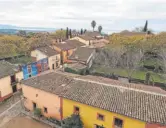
{"points": [[136, 74]]}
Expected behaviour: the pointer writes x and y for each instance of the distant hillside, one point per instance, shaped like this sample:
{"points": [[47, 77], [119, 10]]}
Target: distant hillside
{"points": [[10, 29], [5, 26]]}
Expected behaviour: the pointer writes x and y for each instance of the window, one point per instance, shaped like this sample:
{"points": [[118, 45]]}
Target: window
{"points": [[57, 64], [100, 117], [76, 109], [45, 109], [118, 123], [98, 126], [56, 58]]}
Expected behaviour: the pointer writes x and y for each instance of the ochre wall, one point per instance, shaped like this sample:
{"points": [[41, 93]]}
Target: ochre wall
{"points": [[42, 99], [52, 60], [5, 86], [64, 53], [89, 116]]}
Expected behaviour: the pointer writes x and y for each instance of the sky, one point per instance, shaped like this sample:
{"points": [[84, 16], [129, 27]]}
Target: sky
{"points": [[113, 15]]}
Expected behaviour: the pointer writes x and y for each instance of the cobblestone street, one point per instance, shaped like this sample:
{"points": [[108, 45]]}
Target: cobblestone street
{"points": [[10, 109], [8, 103], [11, 115]]}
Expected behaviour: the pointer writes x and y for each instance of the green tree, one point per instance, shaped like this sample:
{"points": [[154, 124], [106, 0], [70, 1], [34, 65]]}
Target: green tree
{"points": [[74, 121], [146, 27], [67, 33], [138, 29], [81, 31], [100, 29], [70, 33], [85, 30], [21, 33], [59, 34], [30, 34], [93, 24]]}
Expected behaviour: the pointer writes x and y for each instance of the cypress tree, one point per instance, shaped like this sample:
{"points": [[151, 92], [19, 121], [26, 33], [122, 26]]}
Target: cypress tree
{"points": [[146, 27], [67, 33], [70, 33], [81, 31], [85, 30]]}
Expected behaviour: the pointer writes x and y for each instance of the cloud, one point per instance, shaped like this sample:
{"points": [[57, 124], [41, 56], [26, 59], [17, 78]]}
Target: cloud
{"points": [[111, 14]]}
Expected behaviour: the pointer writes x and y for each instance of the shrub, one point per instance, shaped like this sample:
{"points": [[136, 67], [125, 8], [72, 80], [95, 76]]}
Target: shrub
{"points": [[37, 112], [147, 79], [74, 121], [70, 70], [80, 72]]}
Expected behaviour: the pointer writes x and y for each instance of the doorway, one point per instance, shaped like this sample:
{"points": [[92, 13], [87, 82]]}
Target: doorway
{"points": [[13, 79], [14, 88], [34, 106]]}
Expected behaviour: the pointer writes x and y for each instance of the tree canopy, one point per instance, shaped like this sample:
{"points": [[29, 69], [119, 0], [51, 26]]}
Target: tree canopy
{"points": [[100, 29], [93, 24]]}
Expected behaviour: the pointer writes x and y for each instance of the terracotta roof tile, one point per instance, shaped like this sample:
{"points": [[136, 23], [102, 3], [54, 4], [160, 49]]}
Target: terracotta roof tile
{"points": [[48, 51], [86, 37], [135, 103], [7, 69], [82, 53], [74, 43], [64, 46]]}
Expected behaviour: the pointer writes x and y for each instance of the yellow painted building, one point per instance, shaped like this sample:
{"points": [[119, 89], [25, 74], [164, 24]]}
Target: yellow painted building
{"points": [[9, 80], [101, 103], [65, 51], [89, 116]]}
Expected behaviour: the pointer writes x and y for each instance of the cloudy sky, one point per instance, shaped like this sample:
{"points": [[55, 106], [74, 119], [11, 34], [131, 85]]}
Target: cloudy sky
{"points": [[113, 15]]}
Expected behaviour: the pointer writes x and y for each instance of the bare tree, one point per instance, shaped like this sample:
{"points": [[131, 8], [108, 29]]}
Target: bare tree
{"points": [[131, 59], [114, 55], [101, 58], [162, 54], [109, 57]]}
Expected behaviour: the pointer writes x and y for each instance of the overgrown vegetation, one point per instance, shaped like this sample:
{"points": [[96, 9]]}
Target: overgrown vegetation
{"points": [[74, 121], [133, 57], [80, 71], [37, 112]]}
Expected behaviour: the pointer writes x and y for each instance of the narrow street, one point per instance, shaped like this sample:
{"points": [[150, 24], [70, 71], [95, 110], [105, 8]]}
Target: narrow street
{"points": [[10, 109]]}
